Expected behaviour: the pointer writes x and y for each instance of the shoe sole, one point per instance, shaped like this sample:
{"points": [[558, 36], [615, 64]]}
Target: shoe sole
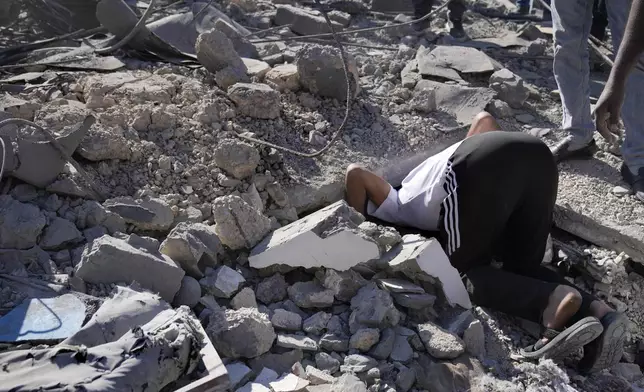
{"points": [[570, 340], [612, 345]]}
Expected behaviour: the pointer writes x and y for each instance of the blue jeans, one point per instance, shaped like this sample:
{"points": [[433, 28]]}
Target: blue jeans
{"points": [[523, 3], [572, 20]]}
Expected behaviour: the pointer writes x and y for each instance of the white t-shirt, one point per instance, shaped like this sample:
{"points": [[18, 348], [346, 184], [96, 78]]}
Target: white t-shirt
{"points": [[418, 202]]}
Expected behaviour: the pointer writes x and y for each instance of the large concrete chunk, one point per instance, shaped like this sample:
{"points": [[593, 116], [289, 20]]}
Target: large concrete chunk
{"points": [[321, 72], [59, 234], [243, 333], [255, 100], [372, 307], [329, 237], [422, 259], [189, 244], [510, 87], [237, 158], [20, 224], [462, 102], [440, 344], [303, 22], [238, 224], [113, 260], [215, 51], [443, 61], [150, 214]]}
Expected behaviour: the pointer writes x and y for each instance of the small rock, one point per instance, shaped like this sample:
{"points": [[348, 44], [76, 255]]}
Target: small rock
{"points": [[244, 299], [255, 100], [191, 243], [296, 342], [322, 72], [402, 351], [318, 377], [500, 109], [239, 225], [280, 363], [288, 383], [333, 342], [629, 371], [524, 118], [343, 18], [243, 333], [20, 224], [272, 289], [303, 22], [327, 363], [256, 68], [310, 295], [510, 87], [60, 233], [215, 51], [238, 374], [284, 77], [440, 344], [348, 383], [236, 158], [223, 282], [286, 320], [278, 195], [384, 348], [364, 339], [405, 379], [316, 324], [266, 376], [373, 307], [189, 293], [474, 339], [151, 214], [344, 284], [356, 363], [620, 191], [414, 301]]}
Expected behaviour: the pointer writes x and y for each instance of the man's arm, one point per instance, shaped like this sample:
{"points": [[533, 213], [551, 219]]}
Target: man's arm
{"points": [[609, 105]]}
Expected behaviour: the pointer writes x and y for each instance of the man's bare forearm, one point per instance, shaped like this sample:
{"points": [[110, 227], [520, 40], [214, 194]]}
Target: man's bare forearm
{"points": [[632, 44]]}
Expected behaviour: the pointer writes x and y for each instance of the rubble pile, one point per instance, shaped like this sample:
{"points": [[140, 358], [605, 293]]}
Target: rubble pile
{"points": [[239, 257]]}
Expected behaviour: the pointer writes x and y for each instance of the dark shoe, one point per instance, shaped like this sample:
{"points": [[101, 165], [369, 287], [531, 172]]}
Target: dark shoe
{"points": [[457, 32], [605, 351], [423, 25], [558, 344], [562, 151], [636, 181]]}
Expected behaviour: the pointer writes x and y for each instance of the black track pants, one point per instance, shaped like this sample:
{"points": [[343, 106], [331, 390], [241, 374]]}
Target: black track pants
{"points": [[502, 188]]}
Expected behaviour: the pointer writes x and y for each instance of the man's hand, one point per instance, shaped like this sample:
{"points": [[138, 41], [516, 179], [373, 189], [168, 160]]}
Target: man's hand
{"points": [[607, 112]]}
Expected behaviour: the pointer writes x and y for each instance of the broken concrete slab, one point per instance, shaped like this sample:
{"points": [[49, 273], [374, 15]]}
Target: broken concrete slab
{"points": [[329, 237], [462, 102], [113, 260], [255, 100], [238, 224], [20, 223], [303, 22], [191, 244], [149, 214], [322, 72], [445, 61], [423, 259], [43, 319], [223, 282], [297, 342], [288, 383]]}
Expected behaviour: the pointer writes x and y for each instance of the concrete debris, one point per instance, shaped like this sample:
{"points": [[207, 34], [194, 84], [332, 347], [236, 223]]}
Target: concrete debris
{"points": [[244, 299], [317, 323], [255, 100], [500, 109], [223, 282], [334, 342], [364, 339], [327, 363], [445, 61], [150, 214], [216, 51], [280, 363], [238, 374], [60, 233], [421, 259], [288, 383], [357, 363], [303, 22], [244, 48], [372, 307], [20, 224], [112, 260], [256, 68], [318, 377], [192, 245], [344, 284], [298, 342], [344, 18], [310, 295], [385, 346], [236, 158], [266, 376], [321, 72], [284, 77], [272, 289], [329, 237], [103, 143], [474, 339], [237, 224], [230, 76], [510, 87], [243, 333], [189, 293], [283, 319], [402, 351], [440, 344], [461, 102], [631, 372]]}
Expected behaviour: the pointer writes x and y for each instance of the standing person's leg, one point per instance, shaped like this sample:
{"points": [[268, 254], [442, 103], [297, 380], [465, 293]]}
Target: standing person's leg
{"points": [[490, 176], [633, 148], [600, 20], [422, 8], [571, 23], [455, 11]]}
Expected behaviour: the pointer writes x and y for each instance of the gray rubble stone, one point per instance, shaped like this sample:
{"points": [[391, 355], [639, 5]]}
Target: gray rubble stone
{"points": [[334, 342], [238, 225], [289, 383], [266, 376], [316, 324], [252, 197], [402, 351], [322, 72], [189, 293], [500, 109], [191, 243], [348, 383], [223, 282], [409, 75], [243, 333], [318, 377], [414, 301], [256, 68], [230, 76], [327, 363], [446, 61], [296, 342], [281, 363], [236, 158], [631, 372], [292, 307], [383, 349], [462, 102], [474, 339], [238, 374], [440, 344], [310, 295], [373, 307], [272, 289], [94, 232], [405, 379], [111, 260], [329, 237], [255, 100], [104, 143], [510, 87], [20, 223], [364, 339], [277, 193], [344, 284], [60, 233], [150, 214], [283, 319], [303, 22], [356, 363], [24, 192], [215, 51], [525, 118], [244, 299], [284, 77], [241, 44]]}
